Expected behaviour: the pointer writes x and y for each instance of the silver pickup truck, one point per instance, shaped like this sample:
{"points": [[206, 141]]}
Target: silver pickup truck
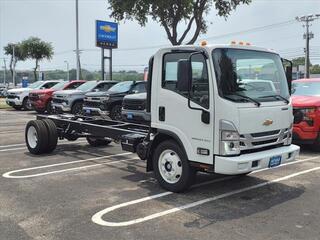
{"points": [[72, 100]]}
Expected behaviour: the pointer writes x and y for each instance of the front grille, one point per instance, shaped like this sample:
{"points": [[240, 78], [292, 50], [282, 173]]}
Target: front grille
{"points": [[12, 96], [91, 104], [57, 100], [263, 139], [33, 97], [134, 104]]}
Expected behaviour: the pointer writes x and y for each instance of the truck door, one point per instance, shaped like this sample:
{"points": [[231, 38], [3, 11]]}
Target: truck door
{"points": [[183, 120]]}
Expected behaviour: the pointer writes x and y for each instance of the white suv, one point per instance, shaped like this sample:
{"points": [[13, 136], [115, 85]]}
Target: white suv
{"points": [[18, 98]]}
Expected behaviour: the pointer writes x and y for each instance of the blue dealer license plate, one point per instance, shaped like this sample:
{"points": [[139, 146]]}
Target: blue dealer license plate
{"points": [[88, 111], [274, 161], [129, 116]]}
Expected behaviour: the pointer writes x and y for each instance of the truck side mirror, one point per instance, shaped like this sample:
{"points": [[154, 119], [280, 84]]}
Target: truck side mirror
{"points": [[184, 76], [288, 68]]}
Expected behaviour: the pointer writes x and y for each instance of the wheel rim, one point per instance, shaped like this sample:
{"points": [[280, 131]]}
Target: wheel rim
{"points": [[32, 137], [78, 109], [170, 166], [28, 104]]}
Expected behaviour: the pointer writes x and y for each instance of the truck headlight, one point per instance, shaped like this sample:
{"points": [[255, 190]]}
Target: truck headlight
{"points": [[105, 99], [229, 139]]}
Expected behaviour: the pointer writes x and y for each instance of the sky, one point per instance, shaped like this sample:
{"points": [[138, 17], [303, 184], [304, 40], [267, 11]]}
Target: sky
{"points": [[54, 21]]}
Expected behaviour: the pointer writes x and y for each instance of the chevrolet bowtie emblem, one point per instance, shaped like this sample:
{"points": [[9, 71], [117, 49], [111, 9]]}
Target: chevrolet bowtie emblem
{"points": [[267, 122]]}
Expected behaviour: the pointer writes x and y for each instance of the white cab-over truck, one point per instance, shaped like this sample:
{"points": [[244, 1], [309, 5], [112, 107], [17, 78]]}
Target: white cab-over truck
{"points": [[211, 110]]}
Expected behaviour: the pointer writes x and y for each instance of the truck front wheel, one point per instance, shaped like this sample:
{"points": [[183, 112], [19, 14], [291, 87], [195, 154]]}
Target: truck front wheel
{"points": [[115, 113], [171, 167]]}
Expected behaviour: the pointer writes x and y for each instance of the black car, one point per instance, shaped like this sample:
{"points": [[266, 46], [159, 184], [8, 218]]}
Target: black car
{"points": [[110, 102], [134, 108]]}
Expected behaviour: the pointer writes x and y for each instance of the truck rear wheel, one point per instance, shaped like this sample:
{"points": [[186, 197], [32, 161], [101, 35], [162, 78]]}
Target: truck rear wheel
{"points": [[171, 167], [36, 135], [98, 142], [53, 135]]}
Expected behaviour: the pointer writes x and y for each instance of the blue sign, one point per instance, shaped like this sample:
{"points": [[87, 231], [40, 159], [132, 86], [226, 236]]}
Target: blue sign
{"points": [[106, 34]]}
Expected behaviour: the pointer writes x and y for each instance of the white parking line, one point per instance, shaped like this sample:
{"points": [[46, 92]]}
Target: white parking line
{"points": [[12, 145], [22, 148], [97, 218], [10, 174]]}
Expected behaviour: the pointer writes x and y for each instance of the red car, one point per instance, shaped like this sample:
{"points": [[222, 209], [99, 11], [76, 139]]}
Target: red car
{"points": [[41, 99], [306, 111]]}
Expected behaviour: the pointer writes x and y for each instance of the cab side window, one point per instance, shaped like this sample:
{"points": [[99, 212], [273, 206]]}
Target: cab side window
{"points": [[48, 85], [139, 88], [73, 85], [200, 83]]}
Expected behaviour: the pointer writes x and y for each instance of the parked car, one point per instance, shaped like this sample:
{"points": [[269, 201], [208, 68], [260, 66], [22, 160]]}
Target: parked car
{"points": [[110, 103], [41, 99], [306, 110], [134, 108], [72, 100], [18, 98]]}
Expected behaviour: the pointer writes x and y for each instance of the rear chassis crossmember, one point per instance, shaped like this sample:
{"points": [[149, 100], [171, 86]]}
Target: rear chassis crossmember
{"points": [[73, 127]]}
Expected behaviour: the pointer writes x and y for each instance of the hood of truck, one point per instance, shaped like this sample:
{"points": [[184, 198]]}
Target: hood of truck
{"points": [[137, 96], [69, 92], [17, 90], [263, 119], [43, 91], [96, 94], [305, 101]]}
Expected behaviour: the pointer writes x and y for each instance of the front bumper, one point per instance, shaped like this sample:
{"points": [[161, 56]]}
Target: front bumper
{"points": [[61, 107], [14, 102], [135, 115], [304, 134], [253, 161], [94, 111]]}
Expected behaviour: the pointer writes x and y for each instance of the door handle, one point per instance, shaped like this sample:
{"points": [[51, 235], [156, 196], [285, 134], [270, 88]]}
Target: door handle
{"points": [[162, 114]]}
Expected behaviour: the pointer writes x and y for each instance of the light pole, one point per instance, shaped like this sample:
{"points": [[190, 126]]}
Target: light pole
{"points": [[14, 66], [307, 36], [77, 40], [67, 63]]}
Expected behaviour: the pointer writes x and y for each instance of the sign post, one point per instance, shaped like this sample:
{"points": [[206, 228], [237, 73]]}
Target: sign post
{"points": [[106, 38]]}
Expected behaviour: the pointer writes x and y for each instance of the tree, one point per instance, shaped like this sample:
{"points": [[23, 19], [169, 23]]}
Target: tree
{"points": [[315, 69], [298, 61], [20, 54], [38, 50], [171, 13]]}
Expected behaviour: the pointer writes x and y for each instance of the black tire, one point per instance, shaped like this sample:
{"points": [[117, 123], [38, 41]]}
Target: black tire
{"points": [[53, 135], [26, 104], [316, 145], [188, 174], [115, 113], [77, 108], [49, 108], [98, 142], [18, 108], [41, 133]]}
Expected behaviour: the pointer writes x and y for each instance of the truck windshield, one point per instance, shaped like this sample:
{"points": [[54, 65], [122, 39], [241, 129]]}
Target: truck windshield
{"points": [[36, 85], [306, 88], [88, 86], [254, 74], [121, 87], [59, 86]]}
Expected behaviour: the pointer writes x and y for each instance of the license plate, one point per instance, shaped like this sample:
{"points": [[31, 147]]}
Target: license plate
{"points": [[274, 161], [88, 111], [129, 116]]}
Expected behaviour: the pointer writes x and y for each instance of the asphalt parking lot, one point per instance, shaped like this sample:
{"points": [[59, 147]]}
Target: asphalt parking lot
{"points": [[80, 192]]}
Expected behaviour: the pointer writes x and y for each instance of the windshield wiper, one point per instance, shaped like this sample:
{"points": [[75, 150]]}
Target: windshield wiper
{"points": [[277, 97], [257, 103]]}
